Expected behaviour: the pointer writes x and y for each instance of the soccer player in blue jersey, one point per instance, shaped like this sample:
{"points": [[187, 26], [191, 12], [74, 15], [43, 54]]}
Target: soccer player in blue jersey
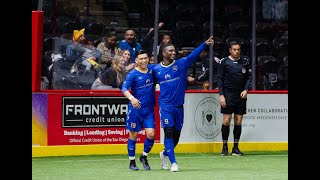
{"points": [[171, 75], [140, 112]]}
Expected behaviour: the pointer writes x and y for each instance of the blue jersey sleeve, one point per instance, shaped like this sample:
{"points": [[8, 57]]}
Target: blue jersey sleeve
{"points": [[193, 56], [128, 81]]}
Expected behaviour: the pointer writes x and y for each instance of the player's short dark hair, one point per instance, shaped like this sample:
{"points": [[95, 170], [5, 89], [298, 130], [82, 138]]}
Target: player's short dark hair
{"points": [[234, 43], [141, 51], [166, 45]]}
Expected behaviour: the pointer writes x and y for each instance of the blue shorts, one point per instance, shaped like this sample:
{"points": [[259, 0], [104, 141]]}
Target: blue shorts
{"points": [[172, 117], [139, 118]]}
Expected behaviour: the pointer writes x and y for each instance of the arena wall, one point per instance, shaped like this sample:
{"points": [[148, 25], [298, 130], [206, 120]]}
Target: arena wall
{"points": [[265, 126]]}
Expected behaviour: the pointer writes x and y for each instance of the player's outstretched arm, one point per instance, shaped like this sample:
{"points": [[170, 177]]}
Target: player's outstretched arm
{"points": [[194, 55]]}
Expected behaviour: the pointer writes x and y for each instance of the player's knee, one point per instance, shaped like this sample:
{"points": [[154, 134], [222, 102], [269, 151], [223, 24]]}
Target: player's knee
{"points": [[150, 134], [133, 135], [168, 132]]}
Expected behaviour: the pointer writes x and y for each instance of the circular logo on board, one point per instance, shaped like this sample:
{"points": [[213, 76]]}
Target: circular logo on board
{"points": [[207, 118]]}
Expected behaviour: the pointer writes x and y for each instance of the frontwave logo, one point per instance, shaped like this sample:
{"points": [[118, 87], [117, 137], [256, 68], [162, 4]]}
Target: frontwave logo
{"points": [[94, 111]]}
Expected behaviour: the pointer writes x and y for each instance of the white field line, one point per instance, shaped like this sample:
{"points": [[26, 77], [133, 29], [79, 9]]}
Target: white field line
{"points": [[185, 157]]}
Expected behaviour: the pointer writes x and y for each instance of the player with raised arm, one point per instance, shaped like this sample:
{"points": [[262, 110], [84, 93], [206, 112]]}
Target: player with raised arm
{"points": [[171, 75]]}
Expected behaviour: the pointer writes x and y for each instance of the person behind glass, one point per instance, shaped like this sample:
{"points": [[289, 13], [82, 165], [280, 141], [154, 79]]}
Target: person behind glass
{"points": [[108, 49], [151, 61], [171, 75], [112, 78], [204, 77], [140, 110], [234, 78], [130, 43], [166, 39], [90, 56], [125, 55], [75, 50], [147, 41]]}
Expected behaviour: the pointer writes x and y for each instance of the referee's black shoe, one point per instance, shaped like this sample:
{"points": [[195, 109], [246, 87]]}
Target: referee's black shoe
{"points": [[224, 150], [236, 152], [144, 161]]}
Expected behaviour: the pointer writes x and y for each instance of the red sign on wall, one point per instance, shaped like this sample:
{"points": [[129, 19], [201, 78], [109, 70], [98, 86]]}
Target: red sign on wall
{"points": [[79, 119]]}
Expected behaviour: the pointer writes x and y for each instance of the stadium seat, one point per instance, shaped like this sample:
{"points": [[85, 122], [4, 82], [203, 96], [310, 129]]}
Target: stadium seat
{"points": [[187, 33], [217, 29], [187, 11], [69, 27], [284, 70], [49, 44], [85, 79], [280, 48], [239, 30], [67, 36], [95, 28], [263, 47], [218, 47], [269, 69]]}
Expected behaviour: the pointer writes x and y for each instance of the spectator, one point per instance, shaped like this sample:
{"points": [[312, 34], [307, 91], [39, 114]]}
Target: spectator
{"points": [[125, 55], [75, 50], [204, 77], [166, 39], [147, 41], [129, 43], [108, 50], [112, 78], [151, 61], [90, 56]]}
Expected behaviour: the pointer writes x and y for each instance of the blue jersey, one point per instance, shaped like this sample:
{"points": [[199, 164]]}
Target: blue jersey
{"points": [[173, 78], [142, 86], [132, 47]]}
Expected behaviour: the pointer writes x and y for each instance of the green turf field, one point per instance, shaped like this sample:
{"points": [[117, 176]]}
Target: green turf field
{"points": [[251, 166]]}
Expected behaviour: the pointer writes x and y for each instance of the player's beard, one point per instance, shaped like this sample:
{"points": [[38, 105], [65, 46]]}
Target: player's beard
{"points": [[172, 57]]}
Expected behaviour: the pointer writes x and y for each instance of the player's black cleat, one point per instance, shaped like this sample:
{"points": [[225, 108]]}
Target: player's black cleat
{"points": [[143, 159], [236, 152], [224, 150], [133, 165]]}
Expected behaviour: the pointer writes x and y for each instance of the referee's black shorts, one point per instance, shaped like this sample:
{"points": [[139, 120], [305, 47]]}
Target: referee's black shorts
{"points": [[235, 104]]}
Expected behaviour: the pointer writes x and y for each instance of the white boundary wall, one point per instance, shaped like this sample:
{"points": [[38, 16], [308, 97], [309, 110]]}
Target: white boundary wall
{"points": [[266, 119]]}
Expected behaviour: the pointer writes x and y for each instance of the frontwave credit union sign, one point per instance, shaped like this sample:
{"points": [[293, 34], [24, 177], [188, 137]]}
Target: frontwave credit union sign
{"points": [[87, 119], [94, 111]]}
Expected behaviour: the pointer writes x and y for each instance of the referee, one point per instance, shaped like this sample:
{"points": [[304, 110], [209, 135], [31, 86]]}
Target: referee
{"points": [[234, 78]]}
